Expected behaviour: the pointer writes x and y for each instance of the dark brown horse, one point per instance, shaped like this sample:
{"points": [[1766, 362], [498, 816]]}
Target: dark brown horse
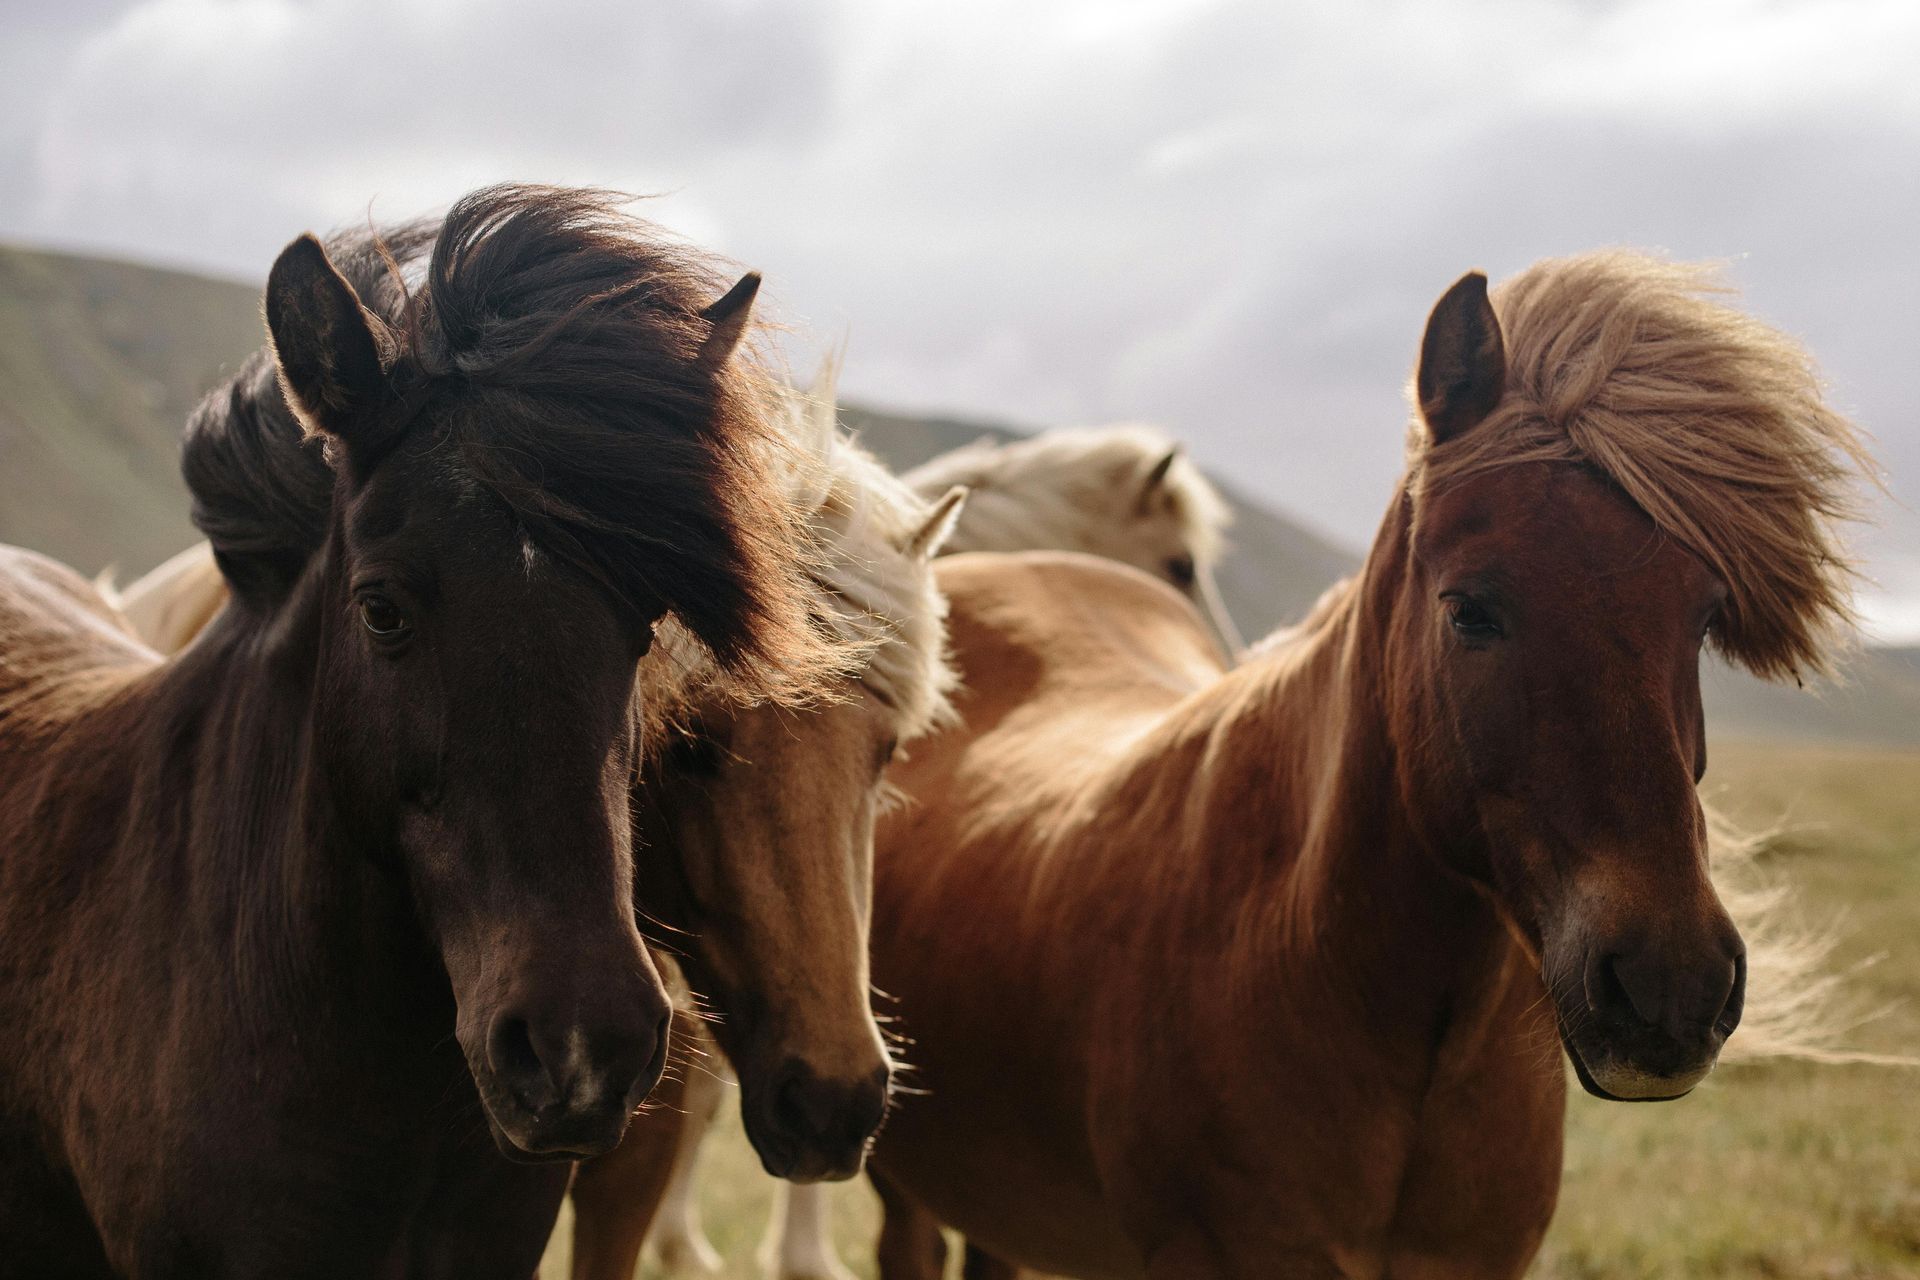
{"points": [[1260, 973], [315, 936]]}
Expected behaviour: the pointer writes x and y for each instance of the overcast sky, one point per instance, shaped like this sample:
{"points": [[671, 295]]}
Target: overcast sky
{"points": [[1227, 216]]}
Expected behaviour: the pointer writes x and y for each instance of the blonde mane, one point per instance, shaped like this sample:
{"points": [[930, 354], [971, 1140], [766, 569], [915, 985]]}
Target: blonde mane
{"points": [[1710, 421], [1074, 488], [868, 590]]}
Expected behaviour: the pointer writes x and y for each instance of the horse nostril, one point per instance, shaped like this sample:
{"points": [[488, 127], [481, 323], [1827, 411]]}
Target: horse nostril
{"points": [[1607, 993], [1729, 1018], [805, 1105], [516, 1061]]}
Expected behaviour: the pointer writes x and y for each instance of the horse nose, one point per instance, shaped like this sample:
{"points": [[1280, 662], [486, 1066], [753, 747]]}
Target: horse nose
{"points": [[577, 1078], [1687, 1001], [824, 1121]]}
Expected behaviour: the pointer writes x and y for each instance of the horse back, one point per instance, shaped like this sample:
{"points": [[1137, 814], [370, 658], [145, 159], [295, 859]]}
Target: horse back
{"points": [[62, 643]]}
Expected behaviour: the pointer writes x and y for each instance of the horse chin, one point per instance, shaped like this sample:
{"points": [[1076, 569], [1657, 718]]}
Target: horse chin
{"points": [[806, 1162], [1617, 1080], [528, 1137]]}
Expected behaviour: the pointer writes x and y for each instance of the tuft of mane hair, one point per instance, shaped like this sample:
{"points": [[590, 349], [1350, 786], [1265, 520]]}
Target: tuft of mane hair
{"points": [[557, 340], [880, 587], [1073, 488], [866, 586], [1710, 421]]}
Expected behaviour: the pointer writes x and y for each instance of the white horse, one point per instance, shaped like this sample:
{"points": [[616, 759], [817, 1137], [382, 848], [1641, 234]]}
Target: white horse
{"points": [[1125, 492]]}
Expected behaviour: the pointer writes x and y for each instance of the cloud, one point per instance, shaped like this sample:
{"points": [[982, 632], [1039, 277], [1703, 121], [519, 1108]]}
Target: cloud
{"points": [[1226, 215]]}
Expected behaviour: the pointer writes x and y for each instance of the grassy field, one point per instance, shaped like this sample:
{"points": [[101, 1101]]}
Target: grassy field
{"points": [[1767, 1171]]}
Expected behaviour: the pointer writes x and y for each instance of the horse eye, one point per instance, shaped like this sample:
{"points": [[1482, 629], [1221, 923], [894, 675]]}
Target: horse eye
{"points": [[888, 750], [1470, 618], [382, 616], [1180, 570]]}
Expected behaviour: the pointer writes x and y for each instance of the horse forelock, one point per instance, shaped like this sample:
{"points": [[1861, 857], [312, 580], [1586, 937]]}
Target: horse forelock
{"points": [[555, 339], [878, 603], [1712, 422], [877, 595]]}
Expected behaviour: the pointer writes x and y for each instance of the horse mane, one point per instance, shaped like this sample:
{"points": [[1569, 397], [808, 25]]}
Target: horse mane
{"points": [[561, 337], [878, 601], [1076, 487], [884, 597], [1710, 421]]}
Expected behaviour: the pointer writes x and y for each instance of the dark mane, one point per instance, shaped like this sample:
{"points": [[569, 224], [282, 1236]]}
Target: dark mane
{"points": [[554, 339]]}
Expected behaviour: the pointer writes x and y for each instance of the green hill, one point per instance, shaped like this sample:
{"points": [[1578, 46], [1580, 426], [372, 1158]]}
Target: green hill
{"points": [[100, 362]]}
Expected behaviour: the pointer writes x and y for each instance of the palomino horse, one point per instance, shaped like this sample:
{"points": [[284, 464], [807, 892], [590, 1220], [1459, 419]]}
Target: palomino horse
{"points": [[294, 921], [1124, 492], [762, 823], [1127, 493], [1258, 973]]}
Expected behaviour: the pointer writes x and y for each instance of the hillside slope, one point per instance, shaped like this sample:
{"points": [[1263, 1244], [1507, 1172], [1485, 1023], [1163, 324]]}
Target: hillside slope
{"points": [[101, 361]]}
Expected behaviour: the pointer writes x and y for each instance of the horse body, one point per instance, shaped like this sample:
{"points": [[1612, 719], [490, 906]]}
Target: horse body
{"points": [[1260, 973], [1182, 1016]]}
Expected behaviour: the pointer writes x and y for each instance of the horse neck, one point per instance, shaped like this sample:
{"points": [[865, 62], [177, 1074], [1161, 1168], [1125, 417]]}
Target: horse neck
{"points": [[1299, 832]]}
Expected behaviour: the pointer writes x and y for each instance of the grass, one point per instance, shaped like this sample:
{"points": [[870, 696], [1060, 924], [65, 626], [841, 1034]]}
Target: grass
{"points": [[1767, 1171]]}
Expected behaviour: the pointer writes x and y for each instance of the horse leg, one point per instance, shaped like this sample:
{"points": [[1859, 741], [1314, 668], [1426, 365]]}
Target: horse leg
{"points": [[616, 1196], [910, 1246], [678, 1244], [799, 1243]]}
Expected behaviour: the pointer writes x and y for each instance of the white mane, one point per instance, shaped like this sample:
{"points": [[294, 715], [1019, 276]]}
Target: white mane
{"points": [[1077, 489]]}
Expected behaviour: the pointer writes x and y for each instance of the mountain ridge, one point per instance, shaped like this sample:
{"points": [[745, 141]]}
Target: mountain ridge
{"points": [[101, 360]]}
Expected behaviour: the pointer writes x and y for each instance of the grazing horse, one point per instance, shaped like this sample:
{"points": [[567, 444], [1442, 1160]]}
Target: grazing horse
{"points": [[1260, 972], [1124, 492], [760, 826], [316, 956]]}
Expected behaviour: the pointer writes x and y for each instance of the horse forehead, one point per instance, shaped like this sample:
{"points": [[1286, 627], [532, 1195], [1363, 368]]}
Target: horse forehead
{"points": [[1543, 522], [420, 490]]}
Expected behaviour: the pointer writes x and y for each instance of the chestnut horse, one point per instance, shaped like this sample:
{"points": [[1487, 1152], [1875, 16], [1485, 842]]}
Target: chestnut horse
{"points": [[316, 956], [1259, 973], [1124, 492]]}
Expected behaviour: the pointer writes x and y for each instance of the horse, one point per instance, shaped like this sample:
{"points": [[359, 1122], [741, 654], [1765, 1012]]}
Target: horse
{"points": [[316, 952], [758, 826], [763, 819], [1125, 492], [1270, 971]]}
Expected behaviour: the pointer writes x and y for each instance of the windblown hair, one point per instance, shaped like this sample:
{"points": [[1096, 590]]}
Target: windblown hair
{"points": [[553, 340], [1707, 419], [882, 594], [865, 587], [1077, 489]]}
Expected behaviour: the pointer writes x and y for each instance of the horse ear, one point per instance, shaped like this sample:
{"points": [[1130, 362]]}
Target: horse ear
{"points": [[729, 318], [938, 527], [1463, 360], [327, 348], [1157, 477]]}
